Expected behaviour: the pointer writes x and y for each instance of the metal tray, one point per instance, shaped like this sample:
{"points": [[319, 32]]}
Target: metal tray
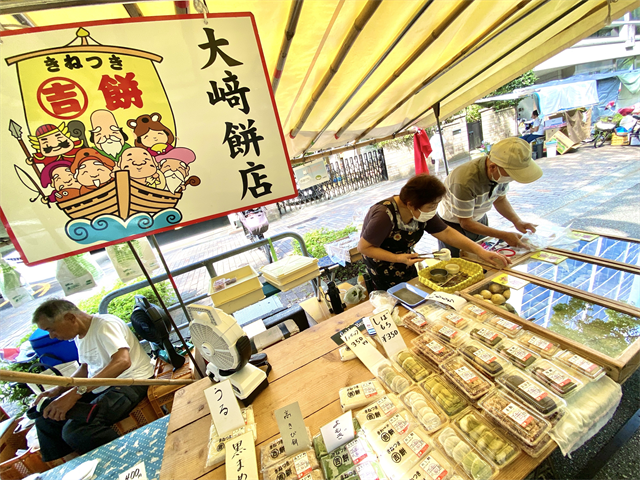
{"points": [[411, 288]]}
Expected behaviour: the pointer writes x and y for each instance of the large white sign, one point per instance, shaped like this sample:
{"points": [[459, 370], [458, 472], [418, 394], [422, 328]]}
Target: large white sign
{"points": [[112, 131], [311, 174]]}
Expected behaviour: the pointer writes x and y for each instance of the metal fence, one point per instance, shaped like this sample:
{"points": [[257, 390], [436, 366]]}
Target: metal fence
{"points": [[346, 175]]}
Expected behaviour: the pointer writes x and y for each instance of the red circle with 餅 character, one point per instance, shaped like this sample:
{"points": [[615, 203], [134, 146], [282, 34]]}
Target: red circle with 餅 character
{"points": [[62, 98]]}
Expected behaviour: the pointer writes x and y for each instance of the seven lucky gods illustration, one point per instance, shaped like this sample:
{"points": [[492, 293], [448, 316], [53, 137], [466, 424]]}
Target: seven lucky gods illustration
{"points": [[97, 151]]}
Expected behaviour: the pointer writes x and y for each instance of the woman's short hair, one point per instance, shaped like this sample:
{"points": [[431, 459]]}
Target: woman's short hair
{"points": [[535, 112], [422, 189]]}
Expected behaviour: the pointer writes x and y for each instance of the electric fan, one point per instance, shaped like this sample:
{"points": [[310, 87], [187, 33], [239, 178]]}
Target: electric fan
{"points": [[223, 343]]}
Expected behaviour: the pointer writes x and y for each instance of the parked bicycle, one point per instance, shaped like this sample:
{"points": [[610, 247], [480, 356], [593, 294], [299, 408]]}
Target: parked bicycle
{"points": [[254, 223], [603, 131]]}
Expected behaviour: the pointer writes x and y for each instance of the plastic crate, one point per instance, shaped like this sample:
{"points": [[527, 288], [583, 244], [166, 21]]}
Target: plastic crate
{"points": [[143, 414], [161, 396], [14, 468], [619, 140], [247, 282]]}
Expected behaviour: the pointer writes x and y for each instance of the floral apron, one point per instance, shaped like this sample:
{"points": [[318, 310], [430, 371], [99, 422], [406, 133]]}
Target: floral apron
{"points": [[401, 239]]}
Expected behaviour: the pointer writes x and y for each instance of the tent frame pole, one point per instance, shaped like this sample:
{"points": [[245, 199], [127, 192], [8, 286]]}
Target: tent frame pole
{"points": [[436, 111], [162, 304]]}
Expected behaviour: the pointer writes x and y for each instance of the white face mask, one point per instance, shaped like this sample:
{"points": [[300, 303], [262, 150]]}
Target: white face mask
{"points": [[503, 179], [426, 216]]}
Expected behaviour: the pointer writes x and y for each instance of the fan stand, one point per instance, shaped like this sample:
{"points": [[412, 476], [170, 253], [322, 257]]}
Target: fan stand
{"points": [[247, 382]]}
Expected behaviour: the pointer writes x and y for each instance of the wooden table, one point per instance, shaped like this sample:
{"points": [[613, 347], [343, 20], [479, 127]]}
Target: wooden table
{"points": [[306, 369]]}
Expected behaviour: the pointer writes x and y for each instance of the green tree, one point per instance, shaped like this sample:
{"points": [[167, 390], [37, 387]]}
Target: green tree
{"points": [[525, 80]]}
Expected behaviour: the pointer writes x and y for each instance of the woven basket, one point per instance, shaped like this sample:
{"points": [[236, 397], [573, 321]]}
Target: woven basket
{"points": [[474, 271]]}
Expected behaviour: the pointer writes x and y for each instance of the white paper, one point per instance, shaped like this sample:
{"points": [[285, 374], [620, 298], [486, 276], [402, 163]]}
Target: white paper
{"points": [[240, 458], [338, 432], [448, 299], [363, 349], [224, 408], [137, 472], [388, 333]]}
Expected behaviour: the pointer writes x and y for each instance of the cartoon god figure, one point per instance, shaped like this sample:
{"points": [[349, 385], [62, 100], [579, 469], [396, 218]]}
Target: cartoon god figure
{"points": [[175, 167], [91, 169], [142, 167], [58, 175], [107, 136], [53, 143], [151, 134]]}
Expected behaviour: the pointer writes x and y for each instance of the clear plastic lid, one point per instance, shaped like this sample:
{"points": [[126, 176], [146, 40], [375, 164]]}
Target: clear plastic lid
{"points": [[451, 335], [510, 329], [429, 308], [536, 451], [434, 466], [380, 410], [581, 365], [538, 344], [413, 365], [288, 265], [533, 394], [394, 380], [382, 435], [404, 453], [523, 422], [483, 358], [557, 379], [476, 312], [486, 335], [434, 349], [415, 321], [452, 318], [473, 463], [445, 395], [426, 411], [517, 354], [487, 438], [469, 380]]}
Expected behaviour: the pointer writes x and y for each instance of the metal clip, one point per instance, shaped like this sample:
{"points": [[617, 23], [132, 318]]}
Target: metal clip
{"points": [[201, 7]]}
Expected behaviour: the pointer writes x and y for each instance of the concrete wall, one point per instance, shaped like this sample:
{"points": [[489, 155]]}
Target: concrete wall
{"points": [[400, 163], [456, 138], [497, 125]]}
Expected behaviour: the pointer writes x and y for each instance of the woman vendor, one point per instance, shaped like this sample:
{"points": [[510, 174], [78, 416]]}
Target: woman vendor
{"points": [[393, 226]]}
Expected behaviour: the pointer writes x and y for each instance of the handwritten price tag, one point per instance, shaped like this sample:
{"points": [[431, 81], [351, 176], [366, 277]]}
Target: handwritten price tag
{"points": [[388, 333], [454, 301], [225, 411], [338, 432], [366, 352], [510, 281], [549, 257], [137, 472]]}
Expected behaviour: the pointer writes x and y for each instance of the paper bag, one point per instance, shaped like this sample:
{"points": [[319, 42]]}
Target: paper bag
{"points": [[125, 263]]}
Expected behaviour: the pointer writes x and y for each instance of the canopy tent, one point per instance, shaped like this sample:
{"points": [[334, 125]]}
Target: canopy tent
{"points": [[348, 71], [555, 98]]}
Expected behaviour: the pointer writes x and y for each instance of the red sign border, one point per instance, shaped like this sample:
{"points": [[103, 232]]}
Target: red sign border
{"points": [[161, 18]]}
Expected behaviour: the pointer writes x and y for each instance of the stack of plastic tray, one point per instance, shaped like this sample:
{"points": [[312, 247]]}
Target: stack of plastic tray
{"points": [[291, 272], [245, 291]]}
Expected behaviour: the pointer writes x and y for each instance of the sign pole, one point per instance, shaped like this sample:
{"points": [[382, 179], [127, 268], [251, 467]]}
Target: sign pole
{"points": [[164, 307], [436, 111]]}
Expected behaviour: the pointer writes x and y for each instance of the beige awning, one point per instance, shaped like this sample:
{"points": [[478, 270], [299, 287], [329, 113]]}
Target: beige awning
{"points": [[352, 70]]}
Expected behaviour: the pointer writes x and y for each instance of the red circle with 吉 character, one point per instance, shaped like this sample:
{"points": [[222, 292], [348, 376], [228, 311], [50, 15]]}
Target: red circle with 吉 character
{"points": [[76, 87]]}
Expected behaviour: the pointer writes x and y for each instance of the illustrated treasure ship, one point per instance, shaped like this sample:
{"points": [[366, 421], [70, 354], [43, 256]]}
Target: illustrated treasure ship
{"points": [[123, 197]]}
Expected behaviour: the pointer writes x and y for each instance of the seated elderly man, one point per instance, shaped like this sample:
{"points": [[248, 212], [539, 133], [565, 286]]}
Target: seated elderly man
{"points": [[106, 349]]}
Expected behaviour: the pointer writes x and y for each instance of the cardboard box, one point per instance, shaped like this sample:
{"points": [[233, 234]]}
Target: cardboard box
{"points": [[564, 143], [550, 132]]}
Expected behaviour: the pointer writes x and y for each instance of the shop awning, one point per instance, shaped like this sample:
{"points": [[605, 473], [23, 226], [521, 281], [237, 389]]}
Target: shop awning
{"points": [[352, 70]]}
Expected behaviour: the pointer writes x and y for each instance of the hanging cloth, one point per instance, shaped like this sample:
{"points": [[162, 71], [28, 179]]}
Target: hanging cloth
{"points": [[421, 150]]}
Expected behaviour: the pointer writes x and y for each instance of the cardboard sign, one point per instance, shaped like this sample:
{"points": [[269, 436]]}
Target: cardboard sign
{"points": [[240, 458], [224, 408], [338, 432], [450, 300], [367, 353], [292, 428], [137, 472], [388, 333], [549, 257], [510, 281], [81, 104]]}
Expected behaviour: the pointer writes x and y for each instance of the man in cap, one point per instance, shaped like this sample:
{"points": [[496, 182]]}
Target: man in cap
{"points": [[53, 143], [109, 139], [476, 186], [91, 169]]}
